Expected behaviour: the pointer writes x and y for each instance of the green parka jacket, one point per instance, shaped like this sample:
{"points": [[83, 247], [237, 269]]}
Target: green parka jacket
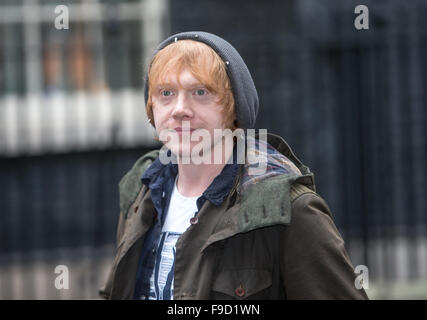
{"points": [[274, 240]]}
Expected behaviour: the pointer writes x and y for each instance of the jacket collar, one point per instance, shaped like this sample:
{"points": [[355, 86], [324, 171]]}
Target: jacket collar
{"points": [[159, 173]]}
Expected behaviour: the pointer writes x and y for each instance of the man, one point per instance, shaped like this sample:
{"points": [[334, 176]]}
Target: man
{"points": [[206, 219]]}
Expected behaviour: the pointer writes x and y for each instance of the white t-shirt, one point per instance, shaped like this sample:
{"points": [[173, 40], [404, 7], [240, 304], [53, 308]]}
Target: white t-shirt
{"points": [[181, 210]]}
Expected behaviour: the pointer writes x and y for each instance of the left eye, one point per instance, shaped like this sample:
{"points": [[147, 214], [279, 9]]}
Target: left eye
{"points": [[200, 92]]}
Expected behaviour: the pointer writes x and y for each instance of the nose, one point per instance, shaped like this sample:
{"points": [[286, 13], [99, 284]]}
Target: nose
{"points": [[182, 108]]}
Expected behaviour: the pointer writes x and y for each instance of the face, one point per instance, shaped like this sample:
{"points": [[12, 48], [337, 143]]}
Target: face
{"points": [[186, 114]]}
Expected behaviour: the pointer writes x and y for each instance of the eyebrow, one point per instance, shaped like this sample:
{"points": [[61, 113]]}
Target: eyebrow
{"points": [[192, 84]]}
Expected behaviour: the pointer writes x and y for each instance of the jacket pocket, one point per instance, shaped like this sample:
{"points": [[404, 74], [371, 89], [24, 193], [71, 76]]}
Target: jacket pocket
{"points": [[242, 284]]}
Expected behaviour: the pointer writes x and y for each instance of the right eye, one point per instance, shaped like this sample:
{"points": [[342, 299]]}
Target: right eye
{"points": [[166, 93]]}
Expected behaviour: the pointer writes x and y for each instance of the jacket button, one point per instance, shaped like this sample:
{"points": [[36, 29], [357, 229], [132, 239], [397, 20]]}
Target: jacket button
{"points": [[240, 292], [194, 220]]}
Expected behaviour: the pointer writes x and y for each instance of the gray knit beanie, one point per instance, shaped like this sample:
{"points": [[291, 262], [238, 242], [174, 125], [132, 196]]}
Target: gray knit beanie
{"points": [[244, 91]]}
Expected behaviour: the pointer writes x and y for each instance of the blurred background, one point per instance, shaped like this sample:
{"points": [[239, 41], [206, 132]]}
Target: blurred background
{"points": [[72, 122]]}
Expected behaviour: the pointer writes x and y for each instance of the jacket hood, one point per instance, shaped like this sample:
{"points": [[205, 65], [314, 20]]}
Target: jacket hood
{"points": [[244, 91], [277, 159]]}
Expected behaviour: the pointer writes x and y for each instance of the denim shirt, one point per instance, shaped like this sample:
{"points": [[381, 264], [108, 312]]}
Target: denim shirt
{"points": [[160, 180]]}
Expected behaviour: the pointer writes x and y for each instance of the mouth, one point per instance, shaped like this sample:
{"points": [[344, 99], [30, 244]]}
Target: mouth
{"points": [[182, 130]]}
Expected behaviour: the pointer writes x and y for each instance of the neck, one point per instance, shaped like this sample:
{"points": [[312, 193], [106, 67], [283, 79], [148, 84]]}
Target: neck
{"points": [[194, 179]]}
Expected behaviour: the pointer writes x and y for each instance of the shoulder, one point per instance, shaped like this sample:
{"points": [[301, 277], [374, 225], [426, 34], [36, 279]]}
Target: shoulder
{"points": [[314, 249], [305, 199], [312, 220]]}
